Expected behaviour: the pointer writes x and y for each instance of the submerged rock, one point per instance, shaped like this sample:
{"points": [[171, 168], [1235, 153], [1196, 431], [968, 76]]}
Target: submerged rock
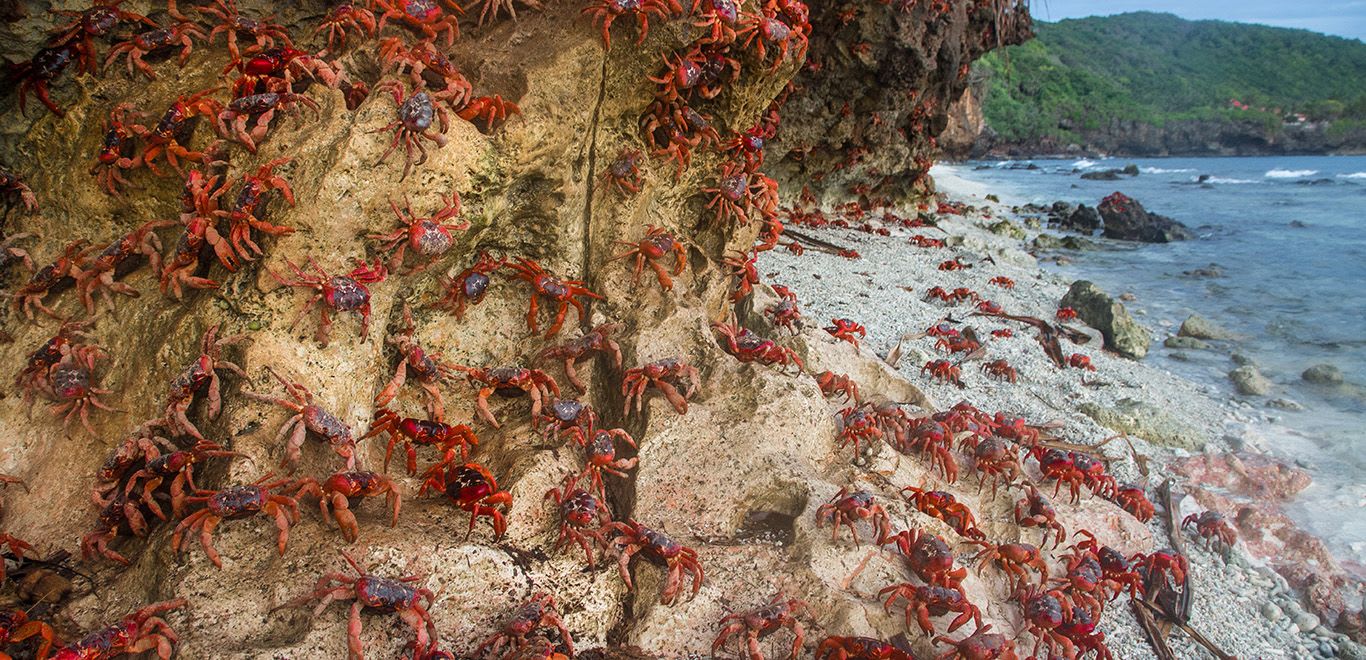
{"points": [[1323, 374], [1200, 327], [1127, 220], [1097, 309], [1186, 342], [1145, 420], [1249, 380], [1085, 219]]}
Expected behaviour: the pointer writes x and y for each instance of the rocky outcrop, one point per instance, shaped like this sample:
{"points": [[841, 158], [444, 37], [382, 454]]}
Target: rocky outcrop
{"points": [[1186, 138], [1126, 220], [1323, 374], [1146, 421], [1249, 380], [1199, 327], [1097, 309]]}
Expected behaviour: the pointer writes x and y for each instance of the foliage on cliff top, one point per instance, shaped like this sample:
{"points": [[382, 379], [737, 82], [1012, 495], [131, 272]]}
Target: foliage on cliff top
{"points": [[1087, 73]]}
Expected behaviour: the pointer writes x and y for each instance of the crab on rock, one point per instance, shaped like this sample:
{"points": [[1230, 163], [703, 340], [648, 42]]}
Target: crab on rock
{"points": [[428, 237], [410, 431], [415, 116], [471, 487], [660, 549], [339, 293], [234, 503], [510, 381], [749, 347], [308, 417], [597, 340], [663, 374], [426, 368], [849, 507], [469, 287], [342, 488], [780, 612], [553, 289], [656, 246]]}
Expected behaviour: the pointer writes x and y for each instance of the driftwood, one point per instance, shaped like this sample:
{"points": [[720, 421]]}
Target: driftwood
{"points": [[813, 242]]}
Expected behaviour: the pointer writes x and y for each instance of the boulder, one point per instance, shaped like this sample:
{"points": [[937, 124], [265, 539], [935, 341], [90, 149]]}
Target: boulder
{"points": [[1323, 374], [1046, 242], [1085, 219], [1212, 270], [1097, 309], [1145, 420], [1078, 243], [1007, 228], [1186, 342], [1127, 220], [1200, 327], [1102, 175], [1249, 380], [1130, 169]]}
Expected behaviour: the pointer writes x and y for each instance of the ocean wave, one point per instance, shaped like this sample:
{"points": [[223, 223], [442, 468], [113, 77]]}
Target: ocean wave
{"points": [[1226, 181], [1353, 175], [1084, 164], [1290, 174], [1160, 170]]}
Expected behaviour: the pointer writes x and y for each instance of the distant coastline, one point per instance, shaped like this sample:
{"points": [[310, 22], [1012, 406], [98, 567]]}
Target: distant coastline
{"points": [[1181, 139]]}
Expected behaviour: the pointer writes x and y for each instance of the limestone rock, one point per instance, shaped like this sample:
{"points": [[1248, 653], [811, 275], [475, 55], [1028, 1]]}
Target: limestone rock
{"points": [[1097, 309], [1249, 380], [1145, 421], [1186, 343], [1200, 327], [1323, 374]]}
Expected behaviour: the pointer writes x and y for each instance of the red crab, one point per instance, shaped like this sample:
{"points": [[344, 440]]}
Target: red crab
{"points": [[113, 519], [833, 384], [624, 173], [1034, 510], [427, 68], [743, 267], [375, 594], [274, 70], [702, 70], [928, 557], [31, 294], [849, 507], [195, 377], [469, 287], [471, 487], [16, 547], [199, 232], [427, 237], [554, 290], [567, 417], [72, 339], [116, 152], [427, 369], [606, 11], [248, 209], [342, 489], [845, 329], [662, 374], [97, 21], [746, 346], [600, 455], [340, 293], [141, 631], [141, 446], [97, 273], [1060, 466], [1080, 629], [749, 146], [510, 381], [233, 503], [1002, 281], [738, 193], [73, 392], [597, 340], [1212, 528], [1014, 558], [415, 117], [945, 371], [943, 506], [176, 467], [180, 35], [954, 264], [170, 134], [858, 648], [308, 417], [1162, 568], [15, 627], [1135, 501], [857, 424], [1003, 333], [343, 16], [425, 16], [14, 192], [1000, 369], [765, 31], [261, 107], [539, 611], [785, 313], [492, 110], [1118, 573], [582, 516], [410, 431], [38, 73], [1066, 314], [922, 602], [990, 308], [718, 18], [980, 645], [659, 549], [1079, 361], [780, 612], [656, 246], [1043, 612], [674, 129], [231, 22]]}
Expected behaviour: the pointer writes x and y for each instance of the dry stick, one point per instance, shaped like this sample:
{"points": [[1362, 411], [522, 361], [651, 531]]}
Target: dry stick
{"points": [[815, 243], [1150, 609], [1179, 543], [1156, 637]]}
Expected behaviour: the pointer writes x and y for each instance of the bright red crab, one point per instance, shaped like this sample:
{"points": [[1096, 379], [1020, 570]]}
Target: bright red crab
{"points": [[141, 446], [176, 467], [261, 108], [113, 519], [597, 340], [97, 21], [567, 417], [492, 110], [600, 455], [1118, 573], [945, 371], [445, 437], [582, 517], [657, 245], [1135, 501], [426, 369], [746, 346], [1213, 529], [606, 11], [343, 490], [174, 126], [16, 628], [509, 381], [538, 612], [980, 645], [663, 374], [1079, 361], [674, 129], [928, 557], [308, 417], [555, 290], [345, 16], [249, 208], [202, 373], [923, 602], [415, 118], [857, 424], [954, 264], [428, 237], [1003, 333], [780, 612], [1066, 314], [738, 193], [845, 329], [858, 648], [660, 549], [1044, 611], [96, 274], [850, 506], [137, 633], [1161, 568], [1034, 510], [944, 506], [375, 594], [234, 503], [339, 293], [766, 33], [1002, 281], [469, 287], [1013, 559], [425, 16], [623, 173], [833, 384], [744, 269], [471, 487], [231, 23], [31, 294], [185, 259], [785, 313], [180, 35]]}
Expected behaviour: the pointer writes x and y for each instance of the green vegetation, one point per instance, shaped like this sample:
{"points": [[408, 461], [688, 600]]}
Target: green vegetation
{"points": [[1085, 74]]}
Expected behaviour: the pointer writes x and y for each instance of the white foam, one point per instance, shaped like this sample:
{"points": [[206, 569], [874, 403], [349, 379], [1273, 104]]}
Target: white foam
{"points": [[1290, 174], [1353, 175], [1161, 170], [1226, 181], [1084, 164]]}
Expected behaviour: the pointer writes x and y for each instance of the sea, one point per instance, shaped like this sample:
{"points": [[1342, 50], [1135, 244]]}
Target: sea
{"points": [[1287, 236]]}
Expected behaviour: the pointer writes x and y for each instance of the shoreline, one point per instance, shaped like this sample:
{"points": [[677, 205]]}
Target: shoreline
{"points": [[870, 291]]}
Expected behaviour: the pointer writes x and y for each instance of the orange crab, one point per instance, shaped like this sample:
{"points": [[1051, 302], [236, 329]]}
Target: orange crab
{"points": [[554, 290], [656, 246]]}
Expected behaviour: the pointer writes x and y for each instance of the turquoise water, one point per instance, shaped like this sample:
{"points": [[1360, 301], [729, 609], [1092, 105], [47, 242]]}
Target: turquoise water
{"points": [[1289, 234]]}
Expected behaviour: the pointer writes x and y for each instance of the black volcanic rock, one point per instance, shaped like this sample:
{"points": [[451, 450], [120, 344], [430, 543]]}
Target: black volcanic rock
{"points": [[1127, 220]]}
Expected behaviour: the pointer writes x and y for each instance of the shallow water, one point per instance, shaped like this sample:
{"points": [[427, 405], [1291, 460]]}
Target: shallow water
{"points": [[1289, 234]]}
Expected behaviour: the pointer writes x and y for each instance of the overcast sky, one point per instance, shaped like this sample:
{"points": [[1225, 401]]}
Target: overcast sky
{"points": [[1346, 18]]}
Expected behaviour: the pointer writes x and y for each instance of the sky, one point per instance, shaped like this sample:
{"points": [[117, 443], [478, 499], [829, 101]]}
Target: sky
{"points": [[1344, 18]]}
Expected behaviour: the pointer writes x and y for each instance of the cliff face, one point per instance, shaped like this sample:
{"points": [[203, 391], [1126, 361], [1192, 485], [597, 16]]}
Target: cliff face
{"points": [[865, 113], [1186, 138]]}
